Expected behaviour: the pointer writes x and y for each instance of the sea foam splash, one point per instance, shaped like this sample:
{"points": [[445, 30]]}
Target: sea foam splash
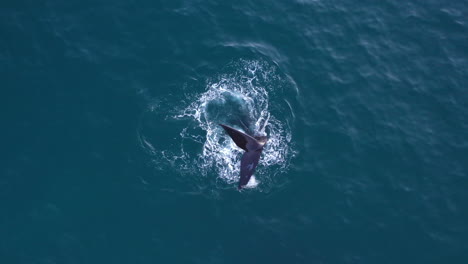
{"points": [[240, 98]]}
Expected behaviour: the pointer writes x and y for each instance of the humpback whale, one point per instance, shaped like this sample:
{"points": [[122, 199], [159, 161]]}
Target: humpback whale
{"points": [[253, 147]]}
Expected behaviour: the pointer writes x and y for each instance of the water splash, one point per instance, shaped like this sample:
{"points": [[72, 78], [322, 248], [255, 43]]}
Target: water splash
{"points": [[240, 98]]}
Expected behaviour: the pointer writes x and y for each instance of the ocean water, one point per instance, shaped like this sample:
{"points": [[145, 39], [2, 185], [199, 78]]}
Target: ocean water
{"points": [[111, 152]]}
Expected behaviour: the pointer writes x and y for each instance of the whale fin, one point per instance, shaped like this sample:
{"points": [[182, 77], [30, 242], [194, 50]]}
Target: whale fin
{"points": [[241, 139], [251, 157], [249, 162]]}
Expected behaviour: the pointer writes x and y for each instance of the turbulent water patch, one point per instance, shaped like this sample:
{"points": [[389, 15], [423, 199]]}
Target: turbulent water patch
{"points": [[247, 95]]}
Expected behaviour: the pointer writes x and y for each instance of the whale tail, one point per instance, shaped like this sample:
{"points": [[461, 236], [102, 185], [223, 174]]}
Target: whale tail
{"points": [[252, 146], [249, 162]]}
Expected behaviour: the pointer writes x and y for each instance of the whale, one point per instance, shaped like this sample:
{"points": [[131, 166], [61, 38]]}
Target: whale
{"points": [[253, 147]]}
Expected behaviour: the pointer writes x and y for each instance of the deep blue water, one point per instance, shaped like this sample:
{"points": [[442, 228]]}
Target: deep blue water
{"points": [[111, 152]]}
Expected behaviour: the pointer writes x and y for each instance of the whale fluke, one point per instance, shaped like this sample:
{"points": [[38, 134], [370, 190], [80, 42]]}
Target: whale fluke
{"points": [[253, 147]]}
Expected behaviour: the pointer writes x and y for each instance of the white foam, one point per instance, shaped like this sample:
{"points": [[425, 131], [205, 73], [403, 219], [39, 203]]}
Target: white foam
{"points": [[252, 183], [219, 153]]}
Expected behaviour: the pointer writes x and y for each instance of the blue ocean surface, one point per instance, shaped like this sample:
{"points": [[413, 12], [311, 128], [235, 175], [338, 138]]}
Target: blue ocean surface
{"points": [[112, 152]]}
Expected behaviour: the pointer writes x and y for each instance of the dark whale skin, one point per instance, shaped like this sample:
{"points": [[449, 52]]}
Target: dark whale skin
{"points": [[253, 150]]}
